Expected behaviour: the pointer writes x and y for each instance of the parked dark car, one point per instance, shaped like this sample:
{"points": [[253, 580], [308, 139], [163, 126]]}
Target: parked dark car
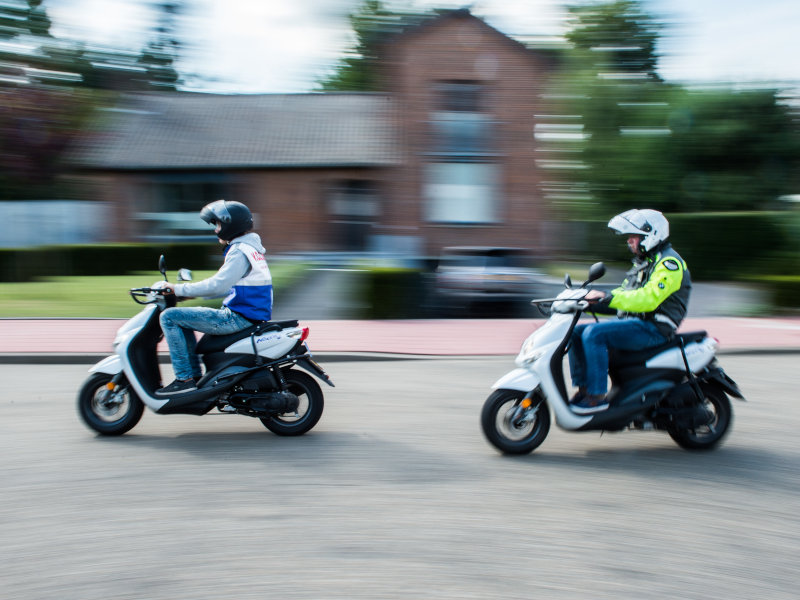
{"points": [[490, 281]]}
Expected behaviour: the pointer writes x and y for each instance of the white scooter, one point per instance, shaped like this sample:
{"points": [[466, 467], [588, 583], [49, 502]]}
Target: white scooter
{"points": [[677, 387], [248, 373]]}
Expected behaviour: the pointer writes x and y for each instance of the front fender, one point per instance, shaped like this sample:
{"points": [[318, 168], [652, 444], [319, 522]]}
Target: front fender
{"points": [[518, 379], [110, 364]]}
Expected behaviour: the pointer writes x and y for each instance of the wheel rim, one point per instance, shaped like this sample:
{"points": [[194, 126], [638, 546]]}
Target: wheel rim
{"points": [[110, 406], [516, 423], [303, 406], [715, 428]]}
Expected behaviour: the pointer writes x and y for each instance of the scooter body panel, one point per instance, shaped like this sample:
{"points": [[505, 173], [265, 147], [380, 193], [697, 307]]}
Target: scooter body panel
{"points": [[521, 380], [110, 365], [270, 344]]}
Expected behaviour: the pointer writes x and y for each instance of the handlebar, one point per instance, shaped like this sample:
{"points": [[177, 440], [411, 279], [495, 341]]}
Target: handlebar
{"points": [[146, 292]]}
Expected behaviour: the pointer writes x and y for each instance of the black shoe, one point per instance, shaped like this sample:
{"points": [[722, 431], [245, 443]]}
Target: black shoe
{"points": [[177, 387], [590, 404], [577, 397]]}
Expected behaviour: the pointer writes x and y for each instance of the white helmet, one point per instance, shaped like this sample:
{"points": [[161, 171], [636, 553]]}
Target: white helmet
{"points": [[650, 224]]}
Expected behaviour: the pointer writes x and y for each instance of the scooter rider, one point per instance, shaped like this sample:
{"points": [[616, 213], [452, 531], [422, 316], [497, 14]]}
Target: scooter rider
{"points": [[650, 304], [244, 276]]}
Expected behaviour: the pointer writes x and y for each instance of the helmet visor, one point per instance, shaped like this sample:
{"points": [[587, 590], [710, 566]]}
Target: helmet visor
{"points": [[216, 213], [622, 225]]}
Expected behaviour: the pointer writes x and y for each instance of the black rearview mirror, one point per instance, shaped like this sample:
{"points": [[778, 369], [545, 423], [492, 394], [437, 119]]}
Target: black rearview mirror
{"points": [[162, 266], [596, 271]]}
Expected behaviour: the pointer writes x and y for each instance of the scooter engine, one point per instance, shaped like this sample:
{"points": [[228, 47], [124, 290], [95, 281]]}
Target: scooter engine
{"points": [[264, 403]]}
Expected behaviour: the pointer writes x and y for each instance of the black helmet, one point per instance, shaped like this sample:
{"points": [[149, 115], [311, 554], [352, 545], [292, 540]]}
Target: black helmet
{"points": [[234, 218]]}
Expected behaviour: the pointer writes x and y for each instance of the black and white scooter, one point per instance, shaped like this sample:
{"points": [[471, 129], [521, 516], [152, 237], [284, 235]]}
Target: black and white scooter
{"points": [[248, 373], [677, 387]]}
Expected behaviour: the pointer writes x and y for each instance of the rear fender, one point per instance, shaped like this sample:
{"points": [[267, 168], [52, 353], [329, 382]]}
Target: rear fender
{"points": [[720, 379], [307, 363]]}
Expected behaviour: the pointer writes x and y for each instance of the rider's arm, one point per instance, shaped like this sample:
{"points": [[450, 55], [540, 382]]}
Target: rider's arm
{"points": [[232, 270], [664, 281]]}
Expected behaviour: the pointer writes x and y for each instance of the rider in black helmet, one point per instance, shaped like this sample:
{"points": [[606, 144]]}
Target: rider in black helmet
{"points": [[244, 279]]}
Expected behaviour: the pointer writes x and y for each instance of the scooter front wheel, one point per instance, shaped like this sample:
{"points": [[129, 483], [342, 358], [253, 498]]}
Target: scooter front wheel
{"points": [[512, 427], [108, 412]]}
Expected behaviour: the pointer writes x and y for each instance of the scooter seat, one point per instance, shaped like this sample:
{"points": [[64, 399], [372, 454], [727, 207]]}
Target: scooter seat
{"points": [[217, 343], [625, 358]]}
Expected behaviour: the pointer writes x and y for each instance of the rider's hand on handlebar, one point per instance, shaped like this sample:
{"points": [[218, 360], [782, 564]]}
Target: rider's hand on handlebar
{"points": [[163, 288], [594, 296]]}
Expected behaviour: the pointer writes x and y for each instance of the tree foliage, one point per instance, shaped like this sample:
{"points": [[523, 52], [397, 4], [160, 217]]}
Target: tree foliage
{"points": [[649, 143], [618, 36], [372, 24], [50, 87]]}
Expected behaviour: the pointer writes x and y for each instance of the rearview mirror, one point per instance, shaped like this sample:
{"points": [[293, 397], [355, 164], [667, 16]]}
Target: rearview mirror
{"points": [[184, 275], [596, 271], [162, 266], [567, 281]]}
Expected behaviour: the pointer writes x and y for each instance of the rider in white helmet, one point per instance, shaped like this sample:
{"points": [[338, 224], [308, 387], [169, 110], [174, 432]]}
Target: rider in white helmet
{"points": [[650, 305]]}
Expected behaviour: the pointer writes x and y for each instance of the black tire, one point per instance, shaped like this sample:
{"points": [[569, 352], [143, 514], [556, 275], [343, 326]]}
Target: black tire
{"points": [[707, 436], [105, 413], [521, 437], [309, 412]]}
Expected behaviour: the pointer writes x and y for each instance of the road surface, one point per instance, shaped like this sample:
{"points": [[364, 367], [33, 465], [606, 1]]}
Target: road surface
{"points": [[395, 494]]}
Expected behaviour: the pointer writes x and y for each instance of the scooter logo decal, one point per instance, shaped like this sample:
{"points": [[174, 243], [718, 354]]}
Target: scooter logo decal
{"points": [[267, 338]]}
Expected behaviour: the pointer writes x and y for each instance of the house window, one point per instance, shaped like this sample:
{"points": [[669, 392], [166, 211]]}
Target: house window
{"points": [[461, 192], [171, 210], [462, 174], [353, 206]]}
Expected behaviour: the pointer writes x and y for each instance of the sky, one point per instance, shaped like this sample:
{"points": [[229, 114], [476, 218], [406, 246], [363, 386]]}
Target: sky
{"points": [[285, 46]]}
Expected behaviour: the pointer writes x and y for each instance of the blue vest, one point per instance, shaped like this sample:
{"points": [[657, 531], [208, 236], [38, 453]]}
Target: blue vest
{"points": [[251, 296]]}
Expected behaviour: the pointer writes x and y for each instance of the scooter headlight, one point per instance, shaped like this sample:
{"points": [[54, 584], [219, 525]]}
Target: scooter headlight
{"points": [[529, 352]]}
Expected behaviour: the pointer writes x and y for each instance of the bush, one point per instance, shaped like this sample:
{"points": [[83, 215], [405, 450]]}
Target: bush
{"points": [[784, 289], [716, 246], [391, 293], [103, 259]]}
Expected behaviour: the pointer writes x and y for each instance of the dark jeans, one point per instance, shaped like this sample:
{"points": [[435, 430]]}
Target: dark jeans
{"points": [[179, 325], [588, 354]]}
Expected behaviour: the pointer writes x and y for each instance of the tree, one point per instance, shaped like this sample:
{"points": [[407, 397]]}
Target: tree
{"points": [[647, 142], [618, 35], [372, 24], [159, 55]]}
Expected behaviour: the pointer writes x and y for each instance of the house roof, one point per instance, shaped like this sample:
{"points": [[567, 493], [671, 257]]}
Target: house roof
{"points": [[205, 131]]}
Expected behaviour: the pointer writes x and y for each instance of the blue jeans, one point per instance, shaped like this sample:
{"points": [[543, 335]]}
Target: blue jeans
{"points": [[179, 325], [588, 353]]}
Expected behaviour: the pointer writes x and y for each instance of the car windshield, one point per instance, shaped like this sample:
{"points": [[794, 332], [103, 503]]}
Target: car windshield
{"points": [[486, 259]]}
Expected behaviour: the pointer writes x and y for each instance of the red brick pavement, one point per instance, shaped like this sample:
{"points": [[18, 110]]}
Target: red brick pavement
{"points": [[415, 337]]}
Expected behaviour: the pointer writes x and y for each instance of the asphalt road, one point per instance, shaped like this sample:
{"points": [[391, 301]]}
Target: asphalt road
{"points": [[395, 494]]}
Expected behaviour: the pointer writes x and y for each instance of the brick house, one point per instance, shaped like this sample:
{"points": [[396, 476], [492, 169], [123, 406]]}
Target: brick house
{"points": [[445, 156]]}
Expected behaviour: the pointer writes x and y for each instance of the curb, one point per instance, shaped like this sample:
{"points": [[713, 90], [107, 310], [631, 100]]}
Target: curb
{"points": [[45, 358]]}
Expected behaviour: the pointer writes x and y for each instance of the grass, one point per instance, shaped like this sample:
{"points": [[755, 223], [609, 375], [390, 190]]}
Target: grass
{"points": [[103, 297]]}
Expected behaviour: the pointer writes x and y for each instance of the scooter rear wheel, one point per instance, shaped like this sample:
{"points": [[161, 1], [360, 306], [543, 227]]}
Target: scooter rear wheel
{"points": [[105, 412], [309, 410], [707, 437], [510, 428]]}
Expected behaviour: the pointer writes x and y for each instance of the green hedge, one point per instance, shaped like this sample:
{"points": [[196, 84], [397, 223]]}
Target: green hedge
{"points": [[784, 289], [27, 264], [716, 246], [392, 293]]}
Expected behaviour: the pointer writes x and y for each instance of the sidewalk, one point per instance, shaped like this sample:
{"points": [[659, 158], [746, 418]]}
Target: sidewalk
{"points": [[82, 340]]}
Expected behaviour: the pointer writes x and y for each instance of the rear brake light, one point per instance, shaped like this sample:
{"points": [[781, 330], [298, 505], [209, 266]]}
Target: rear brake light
{"points": [[304, 335]]}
